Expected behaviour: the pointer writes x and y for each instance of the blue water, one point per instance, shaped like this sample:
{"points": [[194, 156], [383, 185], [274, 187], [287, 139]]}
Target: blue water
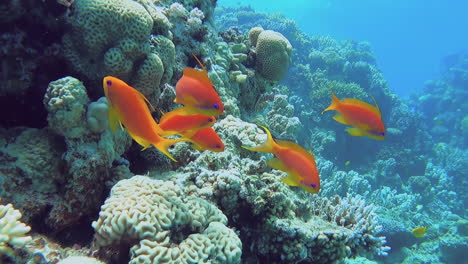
{"points": [[409, 38]]}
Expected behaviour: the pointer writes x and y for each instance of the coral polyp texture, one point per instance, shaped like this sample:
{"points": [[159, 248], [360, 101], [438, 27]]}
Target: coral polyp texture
{"points": [[12, 231], [73, 179], [167, 226], [273, 53]]}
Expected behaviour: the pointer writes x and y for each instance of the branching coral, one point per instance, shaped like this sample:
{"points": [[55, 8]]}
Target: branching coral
{"points": [[12, 231]]}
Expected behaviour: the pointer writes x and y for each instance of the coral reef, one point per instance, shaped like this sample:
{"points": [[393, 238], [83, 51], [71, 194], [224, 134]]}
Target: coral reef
{"points": [[167, 226], [293, 227], [59, 160], [12, 231], [272, 53], [114, 41]]}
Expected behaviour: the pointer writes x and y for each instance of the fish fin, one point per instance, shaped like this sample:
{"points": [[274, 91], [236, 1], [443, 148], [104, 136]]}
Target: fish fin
{"points": [[199, 63], [289, 180], [197, 147], [189, 133], [363, 104], [296, 147], [376, 105], [276, 164], [334, 103], [164, 144], [113, 117], [201, 76], [340, 119], [142, 142], [265, 147], [142, 96], [353, 131]]}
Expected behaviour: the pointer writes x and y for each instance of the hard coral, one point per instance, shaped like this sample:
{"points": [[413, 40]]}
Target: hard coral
{"points": [[111, 38], [65, 100], [12, 231], [273, 54], [166, 225]]}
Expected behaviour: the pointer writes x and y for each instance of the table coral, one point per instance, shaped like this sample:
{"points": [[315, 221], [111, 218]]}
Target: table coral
{"points": [[167, 226]]}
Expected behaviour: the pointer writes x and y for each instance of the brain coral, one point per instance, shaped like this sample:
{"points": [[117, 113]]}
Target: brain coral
{"points": [[169, 227], [273, 54], [111, 37]]}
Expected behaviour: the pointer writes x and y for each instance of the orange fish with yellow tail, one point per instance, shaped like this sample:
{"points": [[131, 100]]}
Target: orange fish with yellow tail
{"points": [[196, 92], [294, 160], [207, 139], [129, 108], [365, 119], [178, 121]]}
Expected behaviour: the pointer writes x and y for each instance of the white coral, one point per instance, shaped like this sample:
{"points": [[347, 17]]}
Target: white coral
{"points": [[12, 231]]}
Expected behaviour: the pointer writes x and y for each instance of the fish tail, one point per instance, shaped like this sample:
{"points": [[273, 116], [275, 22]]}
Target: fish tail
{"points": [[334, 103], [165, 143], [268, 146]]}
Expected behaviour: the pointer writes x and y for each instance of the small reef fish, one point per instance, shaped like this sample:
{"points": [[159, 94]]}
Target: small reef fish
{"points": [[179, 122], [347, 163], [294, 160], [129, 108], [207, 139], [419, 231], [196, 92], [365, 119]]}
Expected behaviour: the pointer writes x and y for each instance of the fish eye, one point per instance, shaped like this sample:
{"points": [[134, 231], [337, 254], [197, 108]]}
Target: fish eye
{"points": [[218, 146], [216, 106], [109, 82], [313, 185], [383, 133], [210, 120]]}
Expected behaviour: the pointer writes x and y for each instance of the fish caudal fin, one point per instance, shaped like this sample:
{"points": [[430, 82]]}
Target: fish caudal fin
{"points": [[334, 103], [165, 143], [265, 147]]}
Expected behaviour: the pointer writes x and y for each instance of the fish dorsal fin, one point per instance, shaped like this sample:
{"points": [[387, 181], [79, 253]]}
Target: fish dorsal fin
{"points": [[202, 76], [354, 101], [376, 105], [200, 63], [295, 147], [142, 96]]}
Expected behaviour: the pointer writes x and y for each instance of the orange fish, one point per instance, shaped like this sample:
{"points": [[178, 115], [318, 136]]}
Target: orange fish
{"points": [[129, 108], [196, 92], [207, 139], [365, 119], [178, 122], [292, 159]]}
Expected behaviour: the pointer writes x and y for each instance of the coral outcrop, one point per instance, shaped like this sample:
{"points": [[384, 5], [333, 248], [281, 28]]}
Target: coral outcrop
{"points": [[273, 53], [166, 225]]}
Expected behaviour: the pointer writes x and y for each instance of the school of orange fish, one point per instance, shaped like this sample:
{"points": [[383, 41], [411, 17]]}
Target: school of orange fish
{"points": [[129, 109]]}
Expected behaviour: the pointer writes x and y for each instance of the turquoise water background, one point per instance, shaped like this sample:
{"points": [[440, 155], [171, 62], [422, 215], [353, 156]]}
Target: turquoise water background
{"points": [[410, 38]]}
